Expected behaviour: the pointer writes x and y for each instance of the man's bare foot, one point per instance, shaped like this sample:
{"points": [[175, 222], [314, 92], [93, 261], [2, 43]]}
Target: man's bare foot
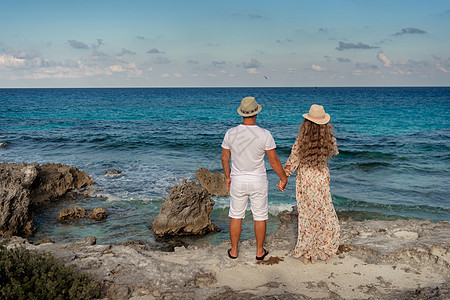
{"points": [[304, 260]]}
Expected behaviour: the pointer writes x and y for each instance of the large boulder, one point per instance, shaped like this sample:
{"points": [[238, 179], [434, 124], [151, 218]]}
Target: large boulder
{"points": [[15, 184], [55, 180], [187, 211], [24, 187], [213, 183]]}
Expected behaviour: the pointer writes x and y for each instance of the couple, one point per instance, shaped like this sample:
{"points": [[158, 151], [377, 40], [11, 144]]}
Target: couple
{"points": [[246, 145]]}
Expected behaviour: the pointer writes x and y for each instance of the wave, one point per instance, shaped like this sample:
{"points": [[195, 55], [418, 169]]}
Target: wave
{"points": [[434, 213], [365, 166]]}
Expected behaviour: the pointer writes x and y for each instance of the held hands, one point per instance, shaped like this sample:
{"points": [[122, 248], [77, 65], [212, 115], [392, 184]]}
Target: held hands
{"points": [[282, 185]]}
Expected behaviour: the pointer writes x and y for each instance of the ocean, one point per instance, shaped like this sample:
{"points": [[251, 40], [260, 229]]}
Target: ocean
{"points": [[393, 142]]}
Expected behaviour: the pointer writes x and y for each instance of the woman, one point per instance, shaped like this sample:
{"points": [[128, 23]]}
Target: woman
{"points": [[318, 225]]}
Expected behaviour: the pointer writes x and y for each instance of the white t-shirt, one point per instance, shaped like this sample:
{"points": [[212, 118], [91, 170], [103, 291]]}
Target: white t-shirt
{"points": [[248, 144]]}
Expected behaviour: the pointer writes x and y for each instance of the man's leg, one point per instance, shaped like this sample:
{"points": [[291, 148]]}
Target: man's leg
{"points": [[260, 211], [235, 234], [260, 234]]}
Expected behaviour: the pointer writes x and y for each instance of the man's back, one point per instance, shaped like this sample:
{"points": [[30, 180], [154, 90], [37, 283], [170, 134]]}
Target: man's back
{"points": [[248, 144]]}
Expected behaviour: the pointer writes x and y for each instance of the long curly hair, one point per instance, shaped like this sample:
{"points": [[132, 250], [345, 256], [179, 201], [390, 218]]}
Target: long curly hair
{"points": [[315, 144]]}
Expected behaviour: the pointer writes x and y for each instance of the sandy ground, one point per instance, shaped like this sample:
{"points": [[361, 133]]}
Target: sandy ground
{"points": [[403, 259], [347, 277]]}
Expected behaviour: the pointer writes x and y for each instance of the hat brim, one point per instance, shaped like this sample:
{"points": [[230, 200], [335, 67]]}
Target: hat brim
{"points": [[325, 120], [251, 114]]}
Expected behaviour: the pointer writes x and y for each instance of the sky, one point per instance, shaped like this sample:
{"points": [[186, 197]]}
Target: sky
{"points": [[208, 43]]}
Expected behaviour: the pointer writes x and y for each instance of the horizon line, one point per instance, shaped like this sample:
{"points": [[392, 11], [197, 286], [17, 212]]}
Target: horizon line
{"points": [[205, 87]]}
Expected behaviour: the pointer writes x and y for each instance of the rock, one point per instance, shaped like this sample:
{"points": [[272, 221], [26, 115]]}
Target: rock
{"points": [[407, 235], [213, 183], [3, 144], [15, 186], [88, 193], [113, 171], [74, 213], [90, 240], [23, 187], [44, 241], [186, 211], [98, 214], [55, 180], [386, 266]]}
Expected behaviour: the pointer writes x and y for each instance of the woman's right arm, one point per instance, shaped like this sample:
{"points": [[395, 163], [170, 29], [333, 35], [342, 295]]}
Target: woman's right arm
{"points": [[294, 159]]}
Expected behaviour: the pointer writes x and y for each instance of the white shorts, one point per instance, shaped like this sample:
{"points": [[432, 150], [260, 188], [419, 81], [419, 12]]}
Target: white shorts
{"points": [[254, 188]]}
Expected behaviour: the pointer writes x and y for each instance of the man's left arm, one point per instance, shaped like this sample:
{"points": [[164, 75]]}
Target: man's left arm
{"points": [[278, 168]]}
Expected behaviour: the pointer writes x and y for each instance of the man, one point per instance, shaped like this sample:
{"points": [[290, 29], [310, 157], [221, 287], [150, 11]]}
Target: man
{"points": [[247, 144]]}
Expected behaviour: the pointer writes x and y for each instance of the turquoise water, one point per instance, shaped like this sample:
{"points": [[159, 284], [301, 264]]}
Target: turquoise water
{"points": [[393, 142]]}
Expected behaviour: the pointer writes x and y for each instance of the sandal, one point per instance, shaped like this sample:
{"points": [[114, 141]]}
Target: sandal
{"points": [[230, 256], [262, 257]]}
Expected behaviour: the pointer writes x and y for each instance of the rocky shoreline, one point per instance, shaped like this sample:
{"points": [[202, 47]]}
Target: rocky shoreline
{"points": [[403, 259]]}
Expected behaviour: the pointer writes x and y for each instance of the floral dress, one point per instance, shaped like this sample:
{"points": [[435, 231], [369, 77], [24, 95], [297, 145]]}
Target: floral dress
{"points": [[318, 225]]}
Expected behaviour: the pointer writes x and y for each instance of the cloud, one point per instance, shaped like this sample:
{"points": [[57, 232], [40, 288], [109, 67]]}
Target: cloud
{"points": [[193, 62], [442, 60], [443, 65], [219, 63], [9, 61], [21, 53], [116, 68], [318, 68], [445, 14], [410, 30], [140, 37], [442, 69], [343, 60], [259, 17], [213, 45], [31, 65], [126, 51], [323, 30], [346, 46], [154, 51], [253, 64], [365, 66], [129, 70], [285, 41], [98, 55], [158, 59], [18, 59], [77, 44], [252, 71], [99, 42], [381, 57], [251, 16]]}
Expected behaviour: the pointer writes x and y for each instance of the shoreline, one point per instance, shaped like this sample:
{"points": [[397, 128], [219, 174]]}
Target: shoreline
{"points": [[408, 259]]}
